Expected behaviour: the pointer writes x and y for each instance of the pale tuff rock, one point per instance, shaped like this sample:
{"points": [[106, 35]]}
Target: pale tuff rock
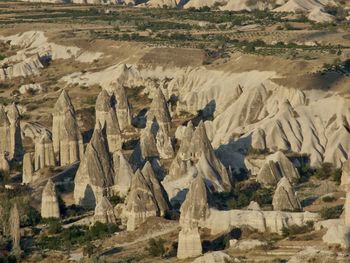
{"points": [[15, 229], [284, 198], [104, 212], [164, 144], [162, 3], [248, 244], [156, 188], [14, 138], [195, 207], [5, 132], [196, 153], [4, 164], [273, 221], [345, 178], [189, 243], [317, 255], [67, 139], [106, 116], [148, 145], [123, 174], [145, 199], [44, 153], [28, 67], [49, 201], [285, 166], [269, 174], [253, 206], [27, 175], [159, 110], [122, 107], [30, 89], [338, 234], [95, 175], [214, 257]]}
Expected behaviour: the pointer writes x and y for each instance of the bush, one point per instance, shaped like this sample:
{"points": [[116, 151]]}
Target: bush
{"points": [[115, 199], [100, 230], [54, 226], [156, 247], [331, 212], [297, 230], [328, 199]]}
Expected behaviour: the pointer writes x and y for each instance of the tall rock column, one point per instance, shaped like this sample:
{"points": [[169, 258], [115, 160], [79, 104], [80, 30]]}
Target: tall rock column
{"points": [[106, 116], [5, 133], [27, 174], [94, 178], [49, 201], [67, 139], [44, 153], [15, 229], [122, 107], [16, 151]]}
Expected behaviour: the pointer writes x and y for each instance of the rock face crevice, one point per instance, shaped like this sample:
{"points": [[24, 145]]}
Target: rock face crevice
{"points": [[67, 139]]}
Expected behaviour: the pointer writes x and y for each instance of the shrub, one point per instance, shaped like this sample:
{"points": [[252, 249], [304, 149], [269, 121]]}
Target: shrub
{"points": [[331, 212], [328, 199], [297, 230], [115, 199], [54, 226], [156, 247]]}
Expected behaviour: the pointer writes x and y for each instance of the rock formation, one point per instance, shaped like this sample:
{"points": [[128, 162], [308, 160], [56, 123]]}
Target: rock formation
{"points": [[269, 174], [159, 110], [285, 166], [67, 139], [49, 201], [106, 116], [94, 177], [189, 244], [145, 199], [4, 164], [13, 115], [122, 107], [194, 209], [123, 174], [44, 153], [338, 234], [15, 229], [10, 132], [195, 153], [214, 257], [27, 174], [284, 198], [104, 212]]}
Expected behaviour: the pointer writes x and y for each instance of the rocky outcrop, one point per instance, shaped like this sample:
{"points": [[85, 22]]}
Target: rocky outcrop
{"points": [[106, 116], [194, 209], [195, 154], [123, 174], [189, 243], [4, 164], [104, 212], [44, 153], [285, 166], [122, 107], [338, 234], [49, 201], [10, 132], [269, 174], [15, 230], [214, 257], [145, 199], [67, 139], [284, 198], [94, 177], [159, 110], [27, 174]]}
